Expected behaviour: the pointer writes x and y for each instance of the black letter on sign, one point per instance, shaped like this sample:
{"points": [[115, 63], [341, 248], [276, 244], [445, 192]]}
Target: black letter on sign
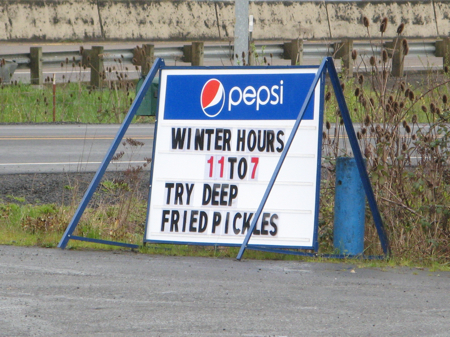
{"points": [[209, 132], [206, 194], [189, 139], [199, 139], [240, 141], [251, 140], [203, 222], [236, 216], [215, 194], [246, 222], [178, 138], [264, 223], [226, 139], [169, 187], [242, 168], [164, 219], [193, 221], [273, 224], [184, 221], [270, 140], [218, 143], [223, 195], [227, 221], [179, 193], [232, 161], [189, 192], [233, 193], [174, 220], [262, 147], [256, 231], [217, 217], [279, 135]]}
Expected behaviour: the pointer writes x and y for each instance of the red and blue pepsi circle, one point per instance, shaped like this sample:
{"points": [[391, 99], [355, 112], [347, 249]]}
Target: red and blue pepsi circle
{"points": [[212, 98]]}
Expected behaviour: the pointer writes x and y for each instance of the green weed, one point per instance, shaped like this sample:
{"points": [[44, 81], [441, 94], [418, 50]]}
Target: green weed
{"points": [[404, 136]]}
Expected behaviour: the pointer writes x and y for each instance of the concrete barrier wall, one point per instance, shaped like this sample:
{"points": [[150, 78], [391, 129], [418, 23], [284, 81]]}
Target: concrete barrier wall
{"points": [[84, 20]]}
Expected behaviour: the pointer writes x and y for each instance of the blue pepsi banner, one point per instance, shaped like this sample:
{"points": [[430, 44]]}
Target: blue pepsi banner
{"points": [[218, 138], [237, 96]]}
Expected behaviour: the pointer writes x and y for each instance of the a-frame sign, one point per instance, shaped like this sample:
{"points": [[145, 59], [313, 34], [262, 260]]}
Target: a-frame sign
{"points": [[237, 155]]}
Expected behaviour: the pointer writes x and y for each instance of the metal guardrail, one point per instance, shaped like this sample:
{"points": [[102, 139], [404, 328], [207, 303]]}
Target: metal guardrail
{"points": [[224, 53], [217, 52], [416, 48]]}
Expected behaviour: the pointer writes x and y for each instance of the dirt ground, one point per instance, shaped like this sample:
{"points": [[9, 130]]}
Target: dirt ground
{"points": [[58, 188]]}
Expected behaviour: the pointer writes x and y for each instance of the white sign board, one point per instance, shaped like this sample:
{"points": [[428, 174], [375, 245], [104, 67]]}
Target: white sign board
{"points": [[219, 136]]}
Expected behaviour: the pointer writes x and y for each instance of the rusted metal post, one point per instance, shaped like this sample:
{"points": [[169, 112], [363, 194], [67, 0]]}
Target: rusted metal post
{"points": [[343, 51], [294, 51], [251, 55], [198, 51], [398, 59], [396, 50], [96, 66], [36, 66], [443, 50], [148, 58], [187, 53], [446, 47]]}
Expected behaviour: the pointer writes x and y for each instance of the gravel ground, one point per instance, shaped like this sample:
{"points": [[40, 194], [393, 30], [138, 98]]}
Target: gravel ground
{"points": [[54, 292], [58, 188], [64, 188]]}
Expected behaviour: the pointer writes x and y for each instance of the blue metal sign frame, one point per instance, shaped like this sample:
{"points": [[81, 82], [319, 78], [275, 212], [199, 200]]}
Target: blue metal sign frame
{"points": [[68, 234], [327, 66]]}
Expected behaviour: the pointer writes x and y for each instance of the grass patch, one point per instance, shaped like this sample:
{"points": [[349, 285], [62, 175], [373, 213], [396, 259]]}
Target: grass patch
{"points": [[44, 225], [75, 102]]}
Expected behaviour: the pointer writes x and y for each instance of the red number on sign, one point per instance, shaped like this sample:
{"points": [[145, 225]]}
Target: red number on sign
{"points": [[221, 162], [211, 163], [255, 161]]}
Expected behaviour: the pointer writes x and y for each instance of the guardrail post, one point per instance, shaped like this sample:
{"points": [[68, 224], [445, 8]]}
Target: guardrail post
{"points": [[443, 50], [251, 55], [198, 51], [187, 53], [96, 66], [344, 51], [147, 59], [396, 52], [446, 56], [85, 57], [294, 51], [36, 72]]}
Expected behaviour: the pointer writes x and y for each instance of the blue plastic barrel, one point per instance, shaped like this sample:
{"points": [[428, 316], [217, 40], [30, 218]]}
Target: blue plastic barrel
{"points": [[349, 208]]}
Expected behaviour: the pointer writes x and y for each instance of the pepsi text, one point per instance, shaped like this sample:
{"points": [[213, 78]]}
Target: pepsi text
{"points": [[250, 95]]}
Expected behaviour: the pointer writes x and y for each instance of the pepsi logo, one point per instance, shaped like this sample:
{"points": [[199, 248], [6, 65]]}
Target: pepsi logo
{"points": [[212, 98]]}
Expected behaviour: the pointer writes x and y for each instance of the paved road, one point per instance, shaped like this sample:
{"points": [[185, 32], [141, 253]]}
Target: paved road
{"points": [[50, 292], [81, 148], [68, 148]]}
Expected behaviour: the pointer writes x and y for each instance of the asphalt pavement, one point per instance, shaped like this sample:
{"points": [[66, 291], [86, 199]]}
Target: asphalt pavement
{"points": [[48, 148], [53, 292], [74, 148]]}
